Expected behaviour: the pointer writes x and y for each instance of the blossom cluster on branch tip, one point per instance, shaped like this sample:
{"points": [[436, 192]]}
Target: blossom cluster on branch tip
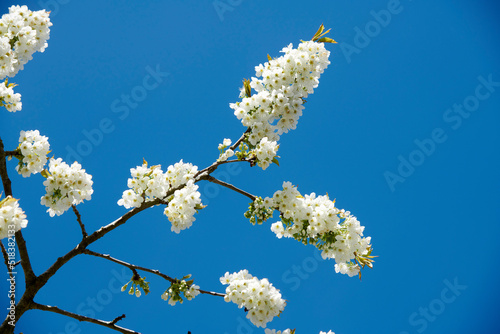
{"points": [[12, 217], [315, 220], [282, 84], [8, 99], [137, 282], [150, 183], [225, 151], [33, 149], [260, 298], [65, 186], [186, 288], [22, 33]]}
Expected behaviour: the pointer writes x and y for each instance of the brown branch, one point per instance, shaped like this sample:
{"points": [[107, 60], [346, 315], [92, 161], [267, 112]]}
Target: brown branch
{"points": [[108, 324], [235, 145], [79, 219], [34, 283], [13, 153], [3, 172], [212, 293], [152, 271], [118, 319], [227, 185], [6, 260], [129, 265], [21, 244]]}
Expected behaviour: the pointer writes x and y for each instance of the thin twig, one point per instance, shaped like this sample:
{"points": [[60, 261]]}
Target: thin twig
{"points": [[115, 320], [152, 271], [235, 145], [212, 293], [129, 265], [79, 219], [108, 324], [229, 186]]}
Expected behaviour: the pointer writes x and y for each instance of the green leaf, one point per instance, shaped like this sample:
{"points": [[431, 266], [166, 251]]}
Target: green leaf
{"points": [[269, 57], [326, 40], [320, 30], [276, 161]]}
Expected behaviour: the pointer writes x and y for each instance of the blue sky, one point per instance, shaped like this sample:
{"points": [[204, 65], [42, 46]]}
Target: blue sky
{"points": [[383, 134]]}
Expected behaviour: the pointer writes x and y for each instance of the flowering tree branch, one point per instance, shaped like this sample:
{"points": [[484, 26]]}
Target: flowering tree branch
{"points": [[109, 324], [152, 271], [21, 243], [281, 86]]}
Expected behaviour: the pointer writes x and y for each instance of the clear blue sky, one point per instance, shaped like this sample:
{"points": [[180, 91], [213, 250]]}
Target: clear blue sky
{"points": [[385, 103]]}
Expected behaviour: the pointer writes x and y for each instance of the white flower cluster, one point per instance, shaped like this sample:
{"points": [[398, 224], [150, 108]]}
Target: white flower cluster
{"points": [[65, 185], [265, 152], [262, 300], [34, 149], [173, 294], [315, 219], [146, 184], [181, 209], [274, 331], [284, 83], [8, 99], [149, 183], [22, 33], [225, 152], [180, 173], [12, 217]]}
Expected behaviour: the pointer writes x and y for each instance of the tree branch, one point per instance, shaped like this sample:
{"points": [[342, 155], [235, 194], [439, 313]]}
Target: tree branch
{"points": [[79, 219], [227, 185], [235, 145], [3, 172], [13, 153], [152, 271], [21, 244], [6, 260], [108, 324]]}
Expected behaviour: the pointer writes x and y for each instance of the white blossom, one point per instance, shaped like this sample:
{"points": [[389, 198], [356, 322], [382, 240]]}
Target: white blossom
{"points": [[281, 84], [262, 300], [8, 99], [34, 149], [315, 219], [22, 33], [146, 184], [274, 331], [182, 207], [180, 173], [12, 217], [265, 152], [65, 186]]}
